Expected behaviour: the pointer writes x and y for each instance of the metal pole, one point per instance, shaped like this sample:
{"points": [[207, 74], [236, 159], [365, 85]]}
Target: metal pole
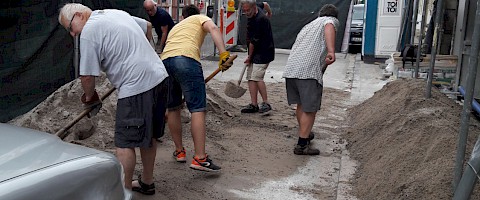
{"points": [[76, 55], [467, 109], [420, 38], [414, 21], [76, 51], [438, 24], [408, 22], [405, 21]]}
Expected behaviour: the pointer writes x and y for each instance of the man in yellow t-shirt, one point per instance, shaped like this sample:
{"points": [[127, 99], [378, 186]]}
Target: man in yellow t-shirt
{"points": [[181, 57]]}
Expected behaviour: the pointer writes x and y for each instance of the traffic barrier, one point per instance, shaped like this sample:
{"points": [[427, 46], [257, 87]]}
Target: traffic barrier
{"points": [[230, 28]]}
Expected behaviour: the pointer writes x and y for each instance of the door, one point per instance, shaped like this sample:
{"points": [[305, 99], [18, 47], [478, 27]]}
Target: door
{"points": [[389, 20]]}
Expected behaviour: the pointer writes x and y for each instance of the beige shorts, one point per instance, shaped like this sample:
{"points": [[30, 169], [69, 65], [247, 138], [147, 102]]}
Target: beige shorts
{"points": [[256, 72]]}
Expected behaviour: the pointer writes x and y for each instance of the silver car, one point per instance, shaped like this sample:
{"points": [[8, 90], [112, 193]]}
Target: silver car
{"points": [[38, 165]]}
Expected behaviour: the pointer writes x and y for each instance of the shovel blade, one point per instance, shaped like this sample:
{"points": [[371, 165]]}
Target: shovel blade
{"points": [[233, 90]]}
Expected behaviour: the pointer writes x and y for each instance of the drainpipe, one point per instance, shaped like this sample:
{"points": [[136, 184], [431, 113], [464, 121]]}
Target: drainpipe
{"points": [[420, 41], [464, 186], [436, 38]]}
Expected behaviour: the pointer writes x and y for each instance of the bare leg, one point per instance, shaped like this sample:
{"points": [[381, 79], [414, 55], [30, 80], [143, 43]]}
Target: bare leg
{"points": [[198, 133], [298, 113], [262, 88], [253, 88], [175, 127], [148, 162], [306, 120], [127, 158]]}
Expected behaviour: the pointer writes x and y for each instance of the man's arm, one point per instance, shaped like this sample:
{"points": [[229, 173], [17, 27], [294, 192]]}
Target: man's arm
{"points": [[88, 85], [210, 27], [149, 32], [330, 41], [267, 9], [251, 47], [164, 36]]}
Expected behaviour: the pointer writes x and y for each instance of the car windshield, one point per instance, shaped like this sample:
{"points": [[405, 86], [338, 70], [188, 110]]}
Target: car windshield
{"points": [[357, 13]]}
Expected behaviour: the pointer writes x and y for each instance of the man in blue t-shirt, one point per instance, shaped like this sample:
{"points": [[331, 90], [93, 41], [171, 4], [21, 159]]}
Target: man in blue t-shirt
{"points": [[161, 20]]}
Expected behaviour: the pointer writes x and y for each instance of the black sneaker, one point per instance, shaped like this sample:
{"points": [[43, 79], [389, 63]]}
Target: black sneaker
{"points": [[311, 136], [204, 164], [264, 107], [305, 150], [250, 108]]}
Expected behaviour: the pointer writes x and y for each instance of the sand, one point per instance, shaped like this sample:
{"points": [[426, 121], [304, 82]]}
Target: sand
{"points": [[404, 144]]}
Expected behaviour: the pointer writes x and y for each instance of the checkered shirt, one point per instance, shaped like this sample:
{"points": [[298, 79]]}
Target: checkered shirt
{"points": [[309, 51]]}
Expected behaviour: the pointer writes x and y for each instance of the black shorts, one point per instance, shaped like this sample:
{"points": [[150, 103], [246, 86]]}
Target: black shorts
{"points": [[141, 117], [305, 92]]}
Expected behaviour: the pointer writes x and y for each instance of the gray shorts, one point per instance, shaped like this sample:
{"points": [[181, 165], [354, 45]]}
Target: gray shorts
{"points": [[141, 117], [305, 92]]}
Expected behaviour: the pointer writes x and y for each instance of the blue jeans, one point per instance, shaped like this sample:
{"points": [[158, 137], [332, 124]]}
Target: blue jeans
{"points": [[187, 79]]}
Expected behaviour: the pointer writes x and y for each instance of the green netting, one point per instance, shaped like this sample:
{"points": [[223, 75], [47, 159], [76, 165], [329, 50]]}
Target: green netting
{"points": [[290, 16], [36, 53]]}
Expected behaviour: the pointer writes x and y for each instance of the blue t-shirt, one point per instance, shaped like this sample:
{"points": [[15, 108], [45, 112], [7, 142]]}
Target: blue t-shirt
{"points": [[161, 18]]}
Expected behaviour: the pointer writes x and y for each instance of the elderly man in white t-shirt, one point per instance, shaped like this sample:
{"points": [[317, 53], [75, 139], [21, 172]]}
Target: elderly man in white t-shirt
{"points": [[114, 42]]}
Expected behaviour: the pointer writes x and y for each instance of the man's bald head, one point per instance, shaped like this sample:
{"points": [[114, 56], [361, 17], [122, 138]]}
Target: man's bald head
{"points": [[150, 6]]}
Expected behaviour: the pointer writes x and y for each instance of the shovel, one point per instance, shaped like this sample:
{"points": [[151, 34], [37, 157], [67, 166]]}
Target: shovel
{"points": [[233, 89]]}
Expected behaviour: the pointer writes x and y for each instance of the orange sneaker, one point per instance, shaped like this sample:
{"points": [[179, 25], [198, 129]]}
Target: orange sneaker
{"points": [[204, 164], [180, 155]]}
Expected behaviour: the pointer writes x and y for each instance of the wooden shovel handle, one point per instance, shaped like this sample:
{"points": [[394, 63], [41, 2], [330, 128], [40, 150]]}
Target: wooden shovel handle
{"points": [[230, 60], [62, 133]]}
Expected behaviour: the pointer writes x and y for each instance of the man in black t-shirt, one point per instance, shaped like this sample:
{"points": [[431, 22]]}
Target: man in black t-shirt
{"points": [[161, 20], [261, 52]]}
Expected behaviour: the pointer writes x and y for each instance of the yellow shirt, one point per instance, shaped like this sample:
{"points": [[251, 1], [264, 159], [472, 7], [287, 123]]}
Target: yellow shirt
{"points": [[186, 38]]}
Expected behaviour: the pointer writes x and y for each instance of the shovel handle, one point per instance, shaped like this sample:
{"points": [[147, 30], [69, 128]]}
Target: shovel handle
{"points": [[62, 133], [212, 75], [241, 74], [230, 60]]}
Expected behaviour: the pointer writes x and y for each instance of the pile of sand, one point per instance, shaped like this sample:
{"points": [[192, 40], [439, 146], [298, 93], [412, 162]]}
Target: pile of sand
{"points": [[64, 105], [406, 144]]}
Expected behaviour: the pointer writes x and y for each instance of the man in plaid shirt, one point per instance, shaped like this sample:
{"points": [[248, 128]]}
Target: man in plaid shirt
{"points": [[312, 52]]}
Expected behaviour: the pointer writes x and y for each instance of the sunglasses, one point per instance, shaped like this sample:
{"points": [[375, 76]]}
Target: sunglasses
{"points": [[69, 28]]}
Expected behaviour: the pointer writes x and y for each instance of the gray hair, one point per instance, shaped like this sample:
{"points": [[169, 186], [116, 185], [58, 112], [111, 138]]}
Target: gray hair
{"points": [[69, 9], [251, 2]]}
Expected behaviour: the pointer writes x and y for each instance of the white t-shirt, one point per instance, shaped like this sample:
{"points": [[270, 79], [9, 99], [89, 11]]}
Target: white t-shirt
{"points": [[112, 41]]}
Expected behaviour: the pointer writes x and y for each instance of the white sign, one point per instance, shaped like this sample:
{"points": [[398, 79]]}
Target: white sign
{"points": [[390, 7]]}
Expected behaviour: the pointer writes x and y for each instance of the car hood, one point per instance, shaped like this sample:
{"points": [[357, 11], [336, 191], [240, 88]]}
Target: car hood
{"points": [[25, 150], [357, 23]]}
